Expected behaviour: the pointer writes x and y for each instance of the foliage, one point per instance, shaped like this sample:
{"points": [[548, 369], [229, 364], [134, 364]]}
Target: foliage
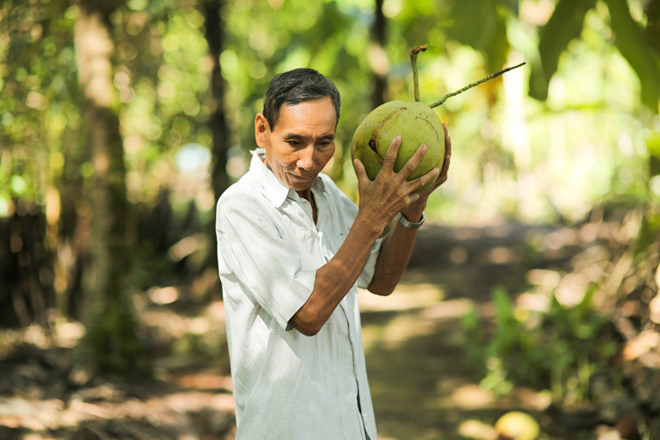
{"points": [[39, 99], [566, 23], [98, 354], [491, 20], [576, 131], [161, 76], [561, 349]]}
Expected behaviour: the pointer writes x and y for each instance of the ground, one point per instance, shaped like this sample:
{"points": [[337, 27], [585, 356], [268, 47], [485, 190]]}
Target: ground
{"points": [[421, 384]]}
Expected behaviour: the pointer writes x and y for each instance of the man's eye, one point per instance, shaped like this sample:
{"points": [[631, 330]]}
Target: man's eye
{"points": [[293, 143]]}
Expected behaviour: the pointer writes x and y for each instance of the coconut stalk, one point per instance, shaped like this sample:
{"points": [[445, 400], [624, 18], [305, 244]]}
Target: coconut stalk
{"points": [[413, 61], [416, 122]]}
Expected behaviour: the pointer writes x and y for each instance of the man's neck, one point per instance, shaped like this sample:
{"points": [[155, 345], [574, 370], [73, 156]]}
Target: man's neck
{"points": [[307, 195]]}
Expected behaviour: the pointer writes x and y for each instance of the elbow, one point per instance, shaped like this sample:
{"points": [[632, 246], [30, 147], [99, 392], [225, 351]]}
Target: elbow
{"points": [[309, 331], [306, 325], [381, 289]]}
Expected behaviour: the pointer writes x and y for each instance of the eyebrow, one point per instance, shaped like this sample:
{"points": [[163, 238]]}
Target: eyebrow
{"points": [[329, 136]]}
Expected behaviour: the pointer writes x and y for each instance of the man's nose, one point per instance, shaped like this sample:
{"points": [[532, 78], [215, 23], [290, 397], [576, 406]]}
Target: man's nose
{"points": [[306, 158]]}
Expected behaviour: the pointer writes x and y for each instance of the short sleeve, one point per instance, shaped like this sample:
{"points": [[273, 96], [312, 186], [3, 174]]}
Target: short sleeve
{"points": [[368, 272], [251, 246]]}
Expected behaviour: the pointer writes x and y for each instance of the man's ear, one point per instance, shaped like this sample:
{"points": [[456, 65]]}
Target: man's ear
{"points": [[261, 130]]}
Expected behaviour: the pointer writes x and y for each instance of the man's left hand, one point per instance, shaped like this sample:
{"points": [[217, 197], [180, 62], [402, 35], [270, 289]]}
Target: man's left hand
{"points": [[414, 211]]}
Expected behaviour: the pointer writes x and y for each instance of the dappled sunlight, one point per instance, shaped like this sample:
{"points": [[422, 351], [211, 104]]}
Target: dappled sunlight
{"points": [[450, 309], [63, 333], [192, 392], [419, 351], [204, 381], [503, 255], [468, 396], [403, 328], [533, 286], [166, 323], [545, 280], [643, 343], [163, 295], [472, 396], [572, 289], [406, 296], [107, 404], [410, 304], [533, 302], [476, 429]]}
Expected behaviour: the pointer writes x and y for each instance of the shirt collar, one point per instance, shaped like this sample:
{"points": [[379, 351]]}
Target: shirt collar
{"points": [[273, 188]]}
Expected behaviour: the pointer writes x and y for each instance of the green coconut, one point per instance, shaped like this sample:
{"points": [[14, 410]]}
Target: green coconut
{"points": [[417, 123]]}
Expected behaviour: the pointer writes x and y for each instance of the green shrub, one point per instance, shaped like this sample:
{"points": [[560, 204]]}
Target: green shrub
{"points": [[561, 349]]}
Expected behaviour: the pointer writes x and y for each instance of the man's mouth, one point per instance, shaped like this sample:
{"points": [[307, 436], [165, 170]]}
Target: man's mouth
{"points": [[302, 176]]}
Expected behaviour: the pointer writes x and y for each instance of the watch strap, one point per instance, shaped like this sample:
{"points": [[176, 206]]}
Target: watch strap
{"points": [[408, 224]]}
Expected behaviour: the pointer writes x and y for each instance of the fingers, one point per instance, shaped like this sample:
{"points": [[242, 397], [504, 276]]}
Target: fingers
{"points": [[414, 161], [392, 153], [410, 166], [422, 181], [445, 164], [441, 177], [360, 171]]}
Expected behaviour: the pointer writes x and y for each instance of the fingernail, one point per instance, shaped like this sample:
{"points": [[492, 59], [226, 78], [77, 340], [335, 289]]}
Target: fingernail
{"points": [[398, 137]]}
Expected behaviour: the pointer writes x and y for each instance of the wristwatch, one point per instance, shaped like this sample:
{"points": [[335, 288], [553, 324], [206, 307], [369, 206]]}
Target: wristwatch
{"points": [[408, 224]]}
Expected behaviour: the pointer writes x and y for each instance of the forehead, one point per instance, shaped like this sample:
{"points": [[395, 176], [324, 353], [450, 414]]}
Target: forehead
{"points": [[318, 114]]}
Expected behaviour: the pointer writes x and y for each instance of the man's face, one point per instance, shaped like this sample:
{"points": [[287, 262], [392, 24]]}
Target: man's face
{"points": [[301, 143]]}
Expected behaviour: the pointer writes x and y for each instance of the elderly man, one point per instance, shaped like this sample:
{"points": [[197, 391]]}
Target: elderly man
{"points": [[292, 251]]}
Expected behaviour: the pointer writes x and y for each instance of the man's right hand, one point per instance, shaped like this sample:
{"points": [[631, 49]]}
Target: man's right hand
{"points": [[390, 192], [380, 200]]}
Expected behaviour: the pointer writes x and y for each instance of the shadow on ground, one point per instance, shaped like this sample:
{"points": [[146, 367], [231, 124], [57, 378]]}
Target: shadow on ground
{"points": [[421, 387]]}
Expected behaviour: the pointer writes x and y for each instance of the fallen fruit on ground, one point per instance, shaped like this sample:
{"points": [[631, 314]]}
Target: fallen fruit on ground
{"points": [[517, 425]]}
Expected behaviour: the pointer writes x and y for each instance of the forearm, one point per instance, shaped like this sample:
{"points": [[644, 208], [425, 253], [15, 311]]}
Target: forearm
{"points": [[336, 277], [395, 253]]}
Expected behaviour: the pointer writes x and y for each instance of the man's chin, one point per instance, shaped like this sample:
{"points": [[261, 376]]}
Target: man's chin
{"points": [[300, 187], [299, 183]]}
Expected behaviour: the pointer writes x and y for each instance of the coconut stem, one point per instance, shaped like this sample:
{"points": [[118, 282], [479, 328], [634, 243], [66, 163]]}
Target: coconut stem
{"points": [[476, 83], [413, 61]]}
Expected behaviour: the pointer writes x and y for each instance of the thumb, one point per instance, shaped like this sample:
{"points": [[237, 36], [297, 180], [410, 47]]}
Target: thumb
{"points": [[360, 171]]}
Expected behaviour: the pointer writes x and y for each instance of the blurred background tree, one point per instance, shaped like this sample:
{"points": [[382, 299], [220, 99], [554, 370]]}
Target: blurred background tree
{"points": [[108, 183], [111, 343]]}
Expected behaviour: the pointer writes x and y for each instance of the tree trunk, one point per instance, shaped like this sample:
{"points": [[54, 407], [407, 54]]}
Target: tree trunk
{"points": [[378, 57], [110, 345], [214, 33], [26, 276]]}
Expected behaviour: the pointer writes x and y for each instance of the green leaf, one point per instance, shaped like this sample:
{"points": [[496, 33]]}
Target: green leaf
{"points": [[564, 25], [481, 25], [635, 48], [653, 24], [503, 305]]}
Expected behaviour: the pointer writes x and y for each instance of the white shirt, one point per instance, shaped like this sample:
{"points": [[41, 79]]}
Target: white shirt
{"points": [[287, 385]]}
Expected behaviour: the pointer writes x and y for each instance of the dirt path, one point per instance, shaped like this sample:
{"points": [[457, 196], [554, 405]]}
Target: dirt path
{"points": [[421, 387]]}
